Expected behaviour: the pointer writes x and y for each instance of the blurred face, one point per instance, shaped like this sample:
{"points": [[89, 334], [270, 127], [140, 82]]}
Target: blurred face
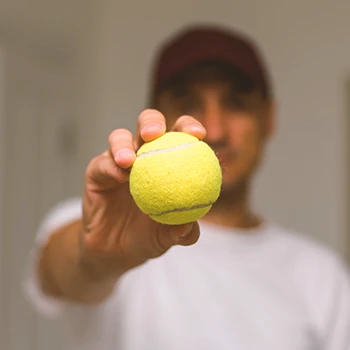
{"points": [[238, 123]]}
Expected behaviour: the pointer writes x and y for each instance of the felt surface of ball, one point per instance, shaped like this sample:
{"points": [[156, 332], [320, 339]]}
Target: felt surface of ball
{"points": [[175, 179]]}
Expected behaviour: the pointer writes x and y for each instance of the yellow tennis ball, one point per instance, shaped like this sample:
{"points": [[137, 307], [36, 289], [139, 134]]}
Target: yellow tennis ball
{"points": [[175, 179]]}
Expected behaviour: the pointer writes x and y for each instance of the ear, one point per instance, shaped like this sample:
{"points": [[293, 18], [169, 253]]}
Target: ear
{"points": [[270, 121]]}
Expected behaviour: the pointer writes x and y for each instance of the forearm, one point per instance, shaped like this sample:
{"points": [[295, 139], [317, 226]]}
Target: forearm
{"points": [[63, 273]]}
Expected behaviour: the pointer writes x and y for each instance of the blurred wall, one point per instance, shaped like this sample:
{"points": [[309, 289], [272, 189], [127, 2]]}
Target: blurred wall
{"points": [[42, 87], [2, 157], [302, 184]]}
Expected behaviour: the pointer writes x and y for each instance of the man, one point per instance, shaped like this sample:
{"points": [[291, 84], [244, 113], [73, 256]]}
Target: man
{"points": [[232, 281]]}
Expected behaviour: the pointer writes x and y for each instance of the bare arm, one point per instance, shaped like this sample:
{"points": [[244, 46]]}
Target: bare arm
{"points": [[64, 275], [82, 261]]}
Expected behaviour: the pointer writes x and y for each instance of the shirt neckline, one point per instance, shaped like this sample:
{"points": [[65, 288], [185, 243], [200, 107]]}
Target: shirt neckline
{"points": [[214, 234]]}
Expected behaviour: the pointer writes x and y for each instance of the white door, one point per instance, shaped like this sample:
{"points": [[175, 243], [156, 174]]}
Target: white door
{"points": [[36, 170]]}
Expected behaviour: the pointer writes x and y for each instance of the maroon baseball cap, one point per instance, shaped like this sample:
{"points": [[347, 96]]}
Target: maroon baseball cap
{"points": [[202, 43]]}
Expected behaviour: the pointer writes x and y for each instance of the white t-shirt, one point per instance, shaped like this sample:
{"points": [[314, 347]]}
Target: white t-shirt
{"points": [[263, 289]]}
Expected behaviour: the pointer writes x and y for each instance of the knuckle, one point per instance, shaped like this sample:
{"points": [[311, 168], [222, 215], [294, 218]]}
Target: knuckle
{"points": [[150, 114], [95, 162], [187, 119], [148, 111], [112, 135], [118, 134]]}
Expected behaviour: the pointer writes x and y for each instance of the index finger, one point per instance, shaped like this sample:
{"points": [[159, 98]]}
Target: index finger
{"points": [[190, 125], [150, 125]]}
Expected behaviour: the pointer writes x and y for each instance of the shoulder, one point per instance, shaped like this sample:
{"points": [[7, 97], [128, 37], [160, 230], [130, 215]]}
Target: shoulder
{"points": [[320, 274], [312, 254], [323, 280]]}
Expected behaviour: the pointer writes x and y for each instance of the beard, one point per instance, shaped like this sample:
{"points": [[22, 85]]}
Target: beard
{"points": [[235, 189], [237, 170]]}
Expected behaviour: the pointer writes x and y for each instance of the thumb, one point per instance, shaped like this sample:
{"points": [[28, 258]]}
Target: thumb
{"points": [[187, 235], [166, 236]]}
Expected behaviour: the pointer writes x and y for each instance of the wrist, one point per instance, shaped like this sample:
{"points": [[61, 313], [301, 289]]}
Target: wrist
{"points": [[100, 267], [96, 270]]}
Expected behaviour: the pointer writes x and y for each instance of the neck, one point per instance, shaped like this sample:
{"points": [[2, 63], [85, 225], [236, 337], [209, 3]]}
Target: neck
{"points": [[232, 209]]}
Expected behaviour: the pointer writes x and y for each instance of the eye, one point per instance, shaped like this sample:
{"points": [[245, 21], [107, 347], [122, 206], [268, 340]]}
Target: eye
{"points": [[234, 102]]}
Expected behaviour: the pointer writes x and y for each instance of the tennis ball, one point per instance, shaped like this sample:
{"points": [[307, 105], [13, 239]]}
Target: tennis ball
{"points": [[175, 179]]}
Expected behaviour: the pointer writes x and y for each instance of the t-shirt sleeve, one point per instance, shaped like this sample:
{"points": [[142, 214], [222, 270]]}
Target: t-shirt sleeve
{"points": [[330, 302], [61, 214], [337, 315]]}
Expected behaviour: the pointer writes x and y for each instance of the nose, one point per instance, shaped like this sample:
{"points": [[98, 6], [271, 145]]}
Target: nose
{"points": [[214, 122]]}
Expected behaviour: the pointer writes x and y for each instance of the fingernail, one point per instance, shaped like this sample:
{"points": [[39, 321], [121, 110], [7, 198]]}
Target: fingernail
{"points": [[153, 128], [195, 128], [124, 153], [187, 232]]}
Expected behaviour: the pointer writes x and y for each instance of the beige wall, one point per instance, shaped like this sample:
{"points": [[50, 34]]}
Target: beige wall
{"points": [[303, 182], [2, 157]]}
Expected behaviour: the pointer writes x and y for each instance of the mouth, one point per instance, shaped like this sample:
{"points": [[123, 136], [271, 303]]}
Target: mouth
{"points": [[223, 163], [222, 156], [225, 156]]}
